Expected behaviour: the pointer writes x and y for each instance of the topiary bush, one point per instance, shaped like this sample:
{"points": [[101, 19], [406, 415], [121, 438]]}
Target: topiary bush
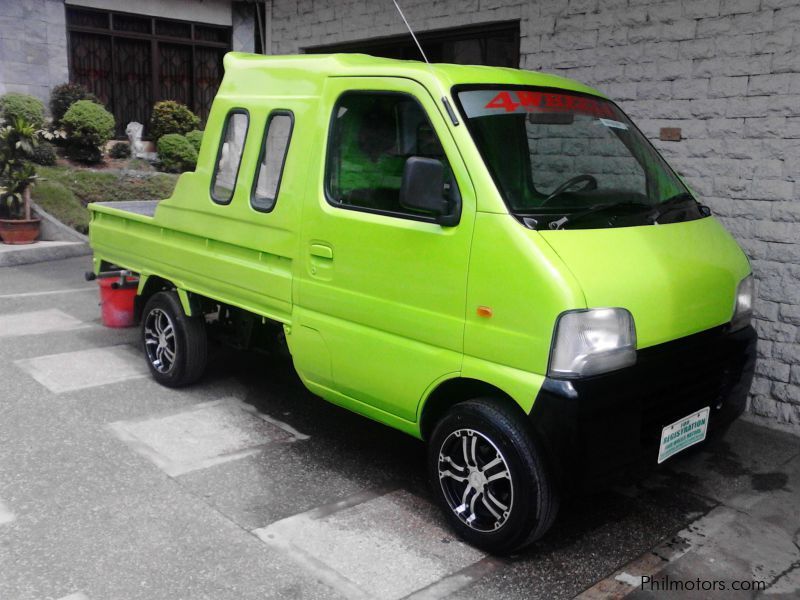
{"points": [[65, 95], [176, 153], [196, 138], [171, 117], [120, 150], [89, 126], [22, 106], [44, 154]]}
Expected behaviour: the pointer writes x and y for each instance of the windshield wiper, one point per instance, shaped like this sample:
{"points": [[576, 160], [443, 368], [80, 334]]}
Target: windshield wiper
{"points": [[669, 205], [659, 211], [560, 223]]}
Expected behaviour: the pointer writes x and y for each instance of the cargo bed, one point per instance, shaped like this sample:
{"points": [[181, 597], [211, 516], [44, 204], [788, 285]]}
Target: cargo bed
{"points": [[146, 208]]}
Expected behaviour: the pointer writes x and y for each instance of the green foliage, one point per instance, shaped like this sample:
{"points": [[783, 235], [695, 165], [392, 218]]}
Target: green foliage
{"points": [[64, 192], [120, 150], [44, 154], [171, 117], [99, 186], [176, 153], [140, 164], [22, 106], [18, 141], [65, 95], [88, 126], [195, 137], [60, 201]]}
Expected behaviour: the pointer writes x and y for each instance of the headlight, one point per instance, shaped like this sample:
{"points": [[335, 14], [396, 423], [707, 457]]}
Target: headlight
{"points": [[588, 342], [743, 311]]}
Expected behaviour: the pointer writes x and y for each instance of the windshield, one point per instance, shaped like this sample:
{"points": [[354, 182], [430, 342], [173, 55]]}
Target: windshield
{"points": [[568, 160]]}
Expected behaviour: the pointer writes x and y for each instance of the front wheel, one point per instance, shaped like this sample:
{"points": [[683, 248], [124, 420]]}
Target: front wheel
{"points": [[175, 345], [489, 478]]}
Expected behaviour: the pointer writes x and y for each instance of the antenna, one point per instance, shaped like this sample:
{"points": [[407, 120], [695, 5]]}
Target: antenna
{"points": [[411, 31], [450, 112]]}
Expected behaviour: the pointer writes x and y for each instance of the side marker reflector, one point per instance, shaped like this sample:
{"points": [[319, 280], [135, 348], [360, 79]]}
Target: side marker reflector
{"points": [[485, 312]]}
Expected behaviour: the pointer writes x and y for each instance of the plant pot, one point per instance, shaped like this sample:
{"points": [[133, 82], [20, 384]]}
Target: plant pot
{"points": [[19, 231]]}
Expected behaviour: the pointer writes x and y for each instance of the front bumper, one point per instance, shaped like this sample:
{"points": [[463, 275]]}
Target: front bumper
{"points": [[593, 429]]}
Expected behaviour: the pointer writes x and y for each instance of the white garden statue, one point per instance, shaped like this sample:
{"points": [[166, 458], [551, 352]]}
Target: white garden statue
{"points": [[134, 133]]}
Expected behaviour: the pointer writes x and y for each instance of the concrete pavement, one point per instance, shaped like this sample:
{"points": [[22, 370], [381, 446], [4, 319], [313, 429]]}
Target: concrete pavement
{"points": [[247, 486]]}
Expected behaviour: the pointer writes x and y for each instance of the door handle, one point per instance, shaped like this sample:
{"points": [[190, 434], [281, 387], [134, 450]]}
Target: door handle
{"points": [[322, 251]]}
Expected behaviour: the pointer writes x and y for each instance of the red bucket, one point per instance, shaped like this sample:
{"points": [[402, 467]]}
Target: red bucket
{"points": [[116, 301]]}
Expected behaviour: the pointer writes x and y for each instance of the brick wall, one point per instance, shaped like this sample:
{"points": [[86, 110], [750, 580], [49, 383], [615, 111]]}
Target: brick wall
{"points": [[33, 46], [727, 72]]}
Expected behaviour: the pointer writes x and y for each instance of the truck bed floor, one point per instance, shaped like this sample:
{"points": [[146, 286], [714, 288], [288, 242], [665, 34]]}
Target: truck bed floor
{"points": [[139, 207]]}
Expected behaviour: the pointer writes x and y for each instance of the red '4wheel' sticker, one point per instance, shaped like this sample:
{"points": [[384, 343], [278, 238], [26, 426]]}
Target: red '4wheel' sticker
{"points": [[528, 101]]}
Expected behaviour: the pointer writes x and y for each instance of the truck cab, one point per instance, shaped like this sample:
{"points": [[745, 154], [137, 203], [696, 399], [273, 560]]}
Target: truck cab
{"points": [[495, 261]]}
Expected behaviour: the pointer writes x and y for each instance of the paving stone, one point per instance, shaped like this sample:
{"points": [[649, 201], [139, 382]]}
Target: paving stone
{"points": [[82, 369], [6, 516], [207, 434], [385, 547], [37, 322]]}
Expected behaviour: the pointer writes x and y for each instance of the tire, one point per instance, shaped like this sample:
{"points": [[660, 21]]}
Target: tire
{"points": [[178, 359], [509, 511]]}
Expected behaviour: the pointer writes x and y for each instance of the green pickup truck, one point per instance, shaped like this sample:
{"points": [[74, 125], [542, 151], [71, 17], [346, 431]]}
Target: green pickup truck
{"points": [[495, 261]]}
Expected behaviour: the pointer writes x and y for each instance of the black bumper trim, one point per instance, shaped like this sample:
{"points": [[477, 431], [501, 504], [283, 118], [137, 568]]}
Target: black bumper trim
{"points": [[593, 429]]}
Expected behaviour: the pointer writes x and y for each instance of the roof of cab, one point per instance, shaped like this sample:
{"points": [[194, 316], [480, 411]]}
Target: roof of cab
{"points": [[311, 69]]}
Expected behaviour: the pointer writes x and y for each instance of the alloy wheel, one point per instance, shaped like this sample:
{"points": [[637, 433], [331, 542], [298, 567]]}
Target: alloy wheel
{"points": [[476, 480], [159, 340]]}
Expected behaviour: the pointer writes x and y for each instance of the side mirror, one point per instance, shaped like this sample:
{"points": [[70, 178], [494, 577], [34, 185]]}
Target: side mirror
{"points": [[422, 187]]}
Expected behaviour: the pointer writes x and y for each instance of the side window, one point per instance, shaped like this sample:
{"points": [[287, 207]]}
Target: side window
{"points": [[372, 135], [273, 156], [229, 156]]}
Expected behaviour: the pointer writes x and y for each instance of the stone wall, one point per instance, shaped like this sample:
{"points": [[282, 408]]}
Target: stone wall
{"points": [[217, 12], [726, 72], [33, 46], [244, 24]]}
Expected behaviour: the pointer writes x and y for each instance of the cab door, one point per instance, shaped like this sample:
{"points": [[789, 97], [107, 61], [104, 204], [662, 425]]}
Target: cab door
{"points": [[383, 285]]}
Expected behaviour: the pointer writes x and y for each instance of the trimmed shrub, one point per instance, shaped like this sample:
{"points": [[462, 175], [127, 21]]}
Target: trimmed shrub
{"points": [[120, 150], [44, 154], [65, 95], [195, 137], [29, 108], [88, 126], [176, 153], [171, 117]]}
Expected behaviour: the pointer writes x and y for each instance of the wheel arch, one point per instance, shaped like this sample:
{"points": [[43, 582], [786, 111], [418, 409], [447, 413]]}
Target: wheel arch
{"points": [[152, 284], [452, 391]]}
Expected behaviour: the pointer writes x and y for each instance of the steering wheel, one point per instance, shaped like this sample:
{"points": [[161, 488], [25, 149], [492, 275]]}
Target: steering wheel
{"points": [[591, 184]]}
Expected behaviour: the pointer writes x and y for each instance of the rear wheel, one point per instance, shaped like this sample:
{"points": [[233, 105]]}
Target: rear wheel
{"points": [[488, 476], [175, 345]]}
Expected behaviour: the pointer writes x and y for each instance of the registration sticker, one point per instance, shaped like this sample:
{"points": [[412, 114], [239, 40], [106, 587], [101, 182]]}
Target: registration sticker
{"points": [[683, 433]]}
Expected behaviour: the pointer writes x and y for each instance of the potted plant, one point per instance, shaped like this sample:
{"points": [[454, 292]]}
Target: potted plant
{"points": [[18, 141]]}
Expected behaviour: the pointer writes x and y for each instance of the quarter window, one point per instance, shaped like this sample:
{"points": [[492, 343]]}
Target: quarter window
{"points": [[273, 156], [372, 136], [229, 156]]}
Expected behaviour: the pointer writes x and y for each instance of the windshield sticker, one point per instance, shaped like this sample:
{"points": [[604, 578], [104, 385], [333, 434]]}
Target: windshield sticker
{"points": [[613, 123], [480, 103]]}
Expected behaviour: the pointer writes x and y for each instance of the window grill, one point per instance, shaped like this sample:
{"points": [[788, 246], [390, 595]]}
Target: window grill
{"points": [[131, 61]]}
